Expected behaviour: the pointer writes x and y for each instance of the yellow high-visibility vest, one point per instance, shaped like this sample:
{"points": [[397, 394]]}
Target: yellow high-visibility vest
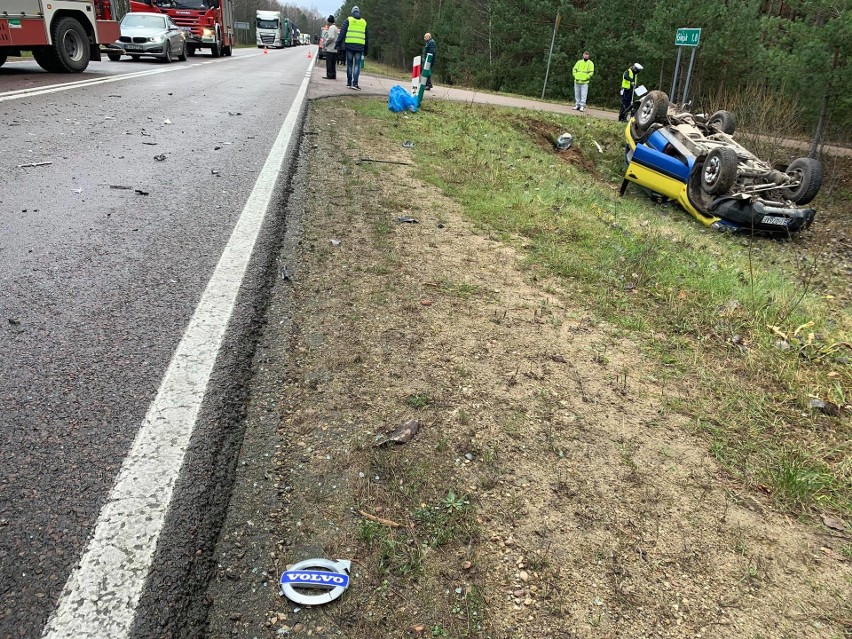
{"points": [[356, 32]]}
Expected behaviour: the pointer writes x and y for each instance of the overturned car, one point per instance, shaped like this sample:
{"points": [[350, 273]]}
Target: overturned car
{"points": [[695, 161]]}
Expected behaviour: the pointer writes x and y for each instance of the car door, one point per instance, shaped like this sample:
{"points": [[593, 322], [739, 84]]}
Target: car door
{"points": [[175, 36]]}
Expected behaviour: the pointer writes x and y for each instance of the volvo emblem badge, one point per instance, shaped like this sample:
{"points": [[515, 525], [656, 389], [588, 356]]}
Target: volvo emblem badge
{"points": [[329, 578]]}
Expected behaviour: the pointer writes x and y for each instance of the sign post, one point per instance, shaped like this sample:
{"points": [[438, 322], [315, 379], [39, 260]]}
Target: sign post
{"points": [[244, 28], [550, 55], [685, 37]]}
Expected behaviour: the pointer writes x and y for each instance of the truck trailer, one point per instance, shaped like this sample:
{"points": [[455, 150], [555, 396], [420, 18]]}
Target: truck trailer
{"points": [[269, 26], [207, 24], [63, 35]]}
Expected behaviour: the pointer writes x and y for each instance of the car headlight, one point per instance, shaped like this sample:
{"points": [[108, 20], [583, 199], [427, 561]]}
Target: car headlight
{"points": [[207, 32], [157, 39]]}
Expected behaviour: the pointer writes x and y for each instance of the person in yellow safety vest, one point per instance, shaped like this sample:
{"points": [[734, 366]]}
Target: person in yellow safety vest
{"points": [[583, 72], [628, 85], [354, 37]]}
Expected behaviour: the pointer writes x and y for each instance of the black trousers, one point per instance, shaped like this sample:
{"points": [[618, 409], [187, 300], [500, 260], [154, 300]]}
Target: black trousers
{"points": [[331, 65], [626, 103]]}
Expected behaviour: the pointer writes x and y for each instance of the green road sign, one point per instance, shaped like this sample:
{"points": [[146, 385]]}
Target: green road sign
{"points": [[687, 37]]}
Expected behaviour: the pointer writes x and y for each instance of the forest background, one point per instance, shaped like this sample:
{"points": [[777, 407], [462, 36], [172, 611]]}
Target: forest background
{"points": [[789, 55]]}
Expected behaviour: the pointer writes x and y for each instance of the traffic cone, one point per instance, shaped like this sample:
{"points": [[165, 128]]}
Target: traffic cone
{"points": [[309, 54], [265, 51]]}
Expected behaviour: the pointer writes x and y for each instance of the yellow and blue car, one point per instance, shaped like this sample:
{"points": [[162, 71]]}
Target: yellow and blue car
{"points": [[695, 161]]}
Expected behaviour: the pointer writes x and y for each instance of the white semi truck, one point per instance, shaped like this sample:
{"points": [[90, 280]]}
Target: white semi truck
{"points": [[271, 30]]}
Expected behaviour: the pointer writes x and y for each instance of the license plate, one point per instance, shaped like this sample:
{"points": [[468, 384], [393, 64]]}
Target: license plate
{"points": [[132, 47], [775, 219]]}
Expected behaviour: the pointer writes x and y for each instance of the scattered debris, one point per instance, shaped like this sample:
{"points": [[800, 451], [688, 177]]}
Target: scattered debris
{"points": [[564, 141], [160, 157], [403, 434], [408, 144], [234, 113], [834, 523], [335, 242], [285, 275], [214, 171], [141, 192], [826, 408], [76, 190], [216, 148], [150, 143], [33, 164], [404, 219], [120, 187], [359, 160], [600, 149], [559, 358], [14, 322], [108, 117], [425, 302], [379, 520], [167, 121]]}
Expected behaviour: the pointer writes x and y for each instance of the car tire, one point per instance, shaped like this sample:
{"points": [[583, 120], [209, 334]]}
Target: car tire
{"points": [[182, 54], [135, 58], [653, 108], [719, 171], [70, 45], [114, 57], [190, 51], [216, 48], [809, 171], [227, 51], [724, 121], [167, 53]]}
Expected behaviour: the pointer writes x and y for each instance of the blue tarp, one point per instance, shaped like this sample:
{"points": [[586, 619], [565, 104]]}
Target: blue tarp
{"points": [[400, 100]]}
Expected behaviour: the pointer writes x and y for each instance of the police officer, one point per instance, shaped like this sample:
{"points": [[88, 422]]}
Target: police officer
{"points": [[355, 39], [628, 85]]}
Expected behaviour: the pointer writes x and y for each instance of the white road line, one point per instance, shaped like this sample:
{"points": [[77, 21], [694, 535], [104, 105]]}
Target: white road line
{"points": [[101, 595], [55, 88]]}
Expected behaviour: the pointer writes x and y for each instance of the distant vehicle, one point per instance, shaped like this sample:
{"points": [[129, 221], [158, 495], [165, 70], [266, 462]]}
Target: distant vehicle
{"points": [[207, 24], [63, 36], [305, 38], [150, 34], [695, 161], [269, 26]]}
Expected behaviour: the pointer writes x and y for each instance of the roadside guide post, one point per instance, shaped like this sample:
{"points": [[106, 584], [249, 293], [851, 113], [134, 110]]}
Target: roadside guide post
{"points": [[685, 38], [425, 72], [415, 76], [550, 55]]}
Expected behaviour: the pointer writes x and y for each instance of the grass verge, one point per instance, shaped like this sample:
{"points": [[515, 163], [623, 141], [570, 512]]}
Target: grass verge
{"points": [[755, 331]]}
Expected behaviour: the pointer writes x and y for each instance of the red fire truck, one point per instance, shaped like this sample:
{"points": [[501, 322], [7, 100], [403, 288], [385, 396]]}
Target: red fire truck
{"points": [[208, 24], [63, 35]]}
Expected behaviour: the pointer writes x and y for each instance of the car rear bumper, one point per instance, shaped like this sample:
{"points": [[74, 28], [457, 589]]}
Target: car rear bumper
{"points": [[761, 216]]}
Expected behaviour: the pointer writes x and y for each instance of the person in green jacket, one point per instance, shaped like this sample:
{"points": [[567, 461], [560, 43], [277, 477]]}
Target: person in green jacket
{"points": [[583, 72]]}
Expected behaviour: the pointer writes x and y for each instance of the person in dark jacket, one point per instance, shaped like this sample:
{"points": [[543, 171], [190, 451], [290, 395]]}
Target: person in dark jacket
{"points": [[429, 47], [355, 39]]}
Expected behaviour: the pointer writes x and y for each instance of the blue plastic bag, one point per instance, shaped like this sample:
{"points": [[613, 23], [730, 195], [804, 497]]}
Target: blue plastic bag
{"points": [[400, 100]]}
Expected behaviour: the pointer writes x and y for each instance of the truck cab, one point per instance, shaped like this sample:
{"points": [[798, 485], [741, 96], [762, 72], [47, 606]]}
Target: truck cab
{"points": [[270, 30]]}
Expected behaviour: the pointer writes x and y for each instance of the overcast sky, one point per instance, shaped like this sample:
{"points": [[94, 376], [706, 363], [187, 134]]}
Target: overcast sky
{"points": [[325, 7]]}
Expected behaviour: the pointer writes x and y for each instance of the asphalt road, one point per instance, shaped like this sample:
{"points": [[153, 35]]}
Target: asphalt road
{"points": [[105, 253]]}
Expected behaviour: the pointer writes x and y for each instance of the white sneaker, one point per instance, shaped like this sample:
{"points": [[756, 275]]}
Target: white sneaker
{"points": [[581, 109]]}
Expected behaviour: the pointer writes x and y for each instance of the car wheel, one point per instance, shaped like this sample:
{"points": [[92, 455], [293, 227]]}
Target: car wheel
{"points": [[115, 57], [719, 171], [182, 54], [724, 121], [809, 172], [135, 58], [227, 51], [167, 52], [216, 49], [190, 51], [653, 108]]}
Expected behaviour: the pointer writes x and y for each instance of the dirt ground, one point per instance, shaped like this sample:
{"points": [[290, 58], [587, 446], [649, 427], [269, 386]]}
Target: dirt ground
{"points": [[548, 492]]}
